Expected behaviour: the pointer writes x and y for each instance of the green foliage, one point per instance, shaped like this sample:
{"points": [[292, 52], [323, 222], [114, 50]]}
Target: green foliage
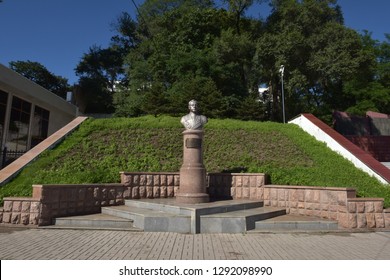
{"points": [[39, 74], [101, 148]]}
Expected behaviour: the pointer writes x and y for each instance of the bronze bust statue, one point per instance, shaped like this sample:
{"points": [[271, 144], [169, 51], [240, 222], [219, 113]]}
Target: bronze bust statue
{"points": [[193, 120]]}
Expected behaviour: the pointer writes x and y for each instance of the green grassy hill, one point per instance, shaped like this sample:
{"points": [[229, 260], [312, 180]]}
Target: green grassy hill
{"points": [[101, 148]]}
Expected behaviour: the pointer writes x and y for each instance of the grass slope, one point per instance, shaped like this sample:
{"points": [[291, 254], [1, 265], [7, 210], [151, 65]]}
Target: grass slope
{"points": [[101, 148]]}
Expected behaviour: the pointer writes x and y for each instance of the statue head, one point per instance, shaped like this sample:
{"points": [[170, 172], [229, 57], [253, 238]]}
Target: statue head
{"points": [[193, 106]]}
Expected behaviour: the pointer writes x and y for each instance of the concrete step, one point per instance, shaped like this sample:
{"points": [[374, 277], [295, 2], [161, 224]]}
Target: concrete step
{"points": [[387, 164], [94, 221], [295, 223], [237, 221], [152, 220], [171, 206]]}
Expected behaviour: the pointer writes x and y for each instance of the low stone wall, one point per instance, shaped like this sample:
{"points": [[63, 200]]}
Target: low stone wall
{"points": [[339, 204], [51, 201], [220, 185], [20, 210], [150, 184]]}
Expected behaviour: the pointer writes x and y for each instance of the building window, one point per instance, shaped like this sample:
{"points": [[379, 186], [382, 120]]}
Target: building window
{"points": [[40, 126], [3, 109], [17, 138]]}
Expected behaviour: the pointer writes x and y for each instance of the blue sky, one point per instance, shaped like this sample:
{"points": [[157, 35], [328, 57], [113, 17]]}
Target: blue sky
{"points": [[56, 33]]}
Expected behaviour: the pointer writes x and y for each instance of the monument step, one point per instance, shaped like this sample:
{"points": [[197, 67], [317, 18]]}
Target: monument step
{"points": [[94, 221], [172, 206], [237, 221], [295, 223], [152, 220]]}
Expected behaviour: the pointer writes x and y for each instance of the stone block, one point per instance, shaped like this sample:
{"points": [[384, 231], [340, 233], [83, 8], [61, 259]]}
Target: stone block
{"points": [[260, 193], [135, 193], [274, 203], [351, 207], [267, 192], [7, 217], [333, 197], [324, 196], [111, 193], [17, 206], [163, 180], [233, 192], [136, 181], [371, 220], [252, 181], [170, 191], [281, 196], [369, 207], [342, 198], [149, 180], [163, 191], [24, 218], [142, 191], [332, 216], [170, 180], [33, 219], [175, 190], [309, 195], [342, 209], [149, 192], [15, 218], [361, 220], [352, 220], [246, 193], [7, 206], [259, 181], [325, 214], [316, 206], [360, 207], [239, 192], [293, 204], [245, 181], [156, 192], [126, 179], [274, 194], [343, 220], [387, 219], [301, 205], [301, 195], [176, 180], [127, 193], [156, 180], [142, 180], [267, 203], [253, 193], [378, 206], [96, 194], [238, 181], [119, 193], [334, 208], [282, 204], [379, 220], [316, 196]]}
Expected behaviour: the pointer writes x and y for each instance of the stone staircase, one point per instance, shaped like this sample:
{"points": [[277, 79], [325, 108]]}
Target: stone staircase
{"points": [[165, 215]]}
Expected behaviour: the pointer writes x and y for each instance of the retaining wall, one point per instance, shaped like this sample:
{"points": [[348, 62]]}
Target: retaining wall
{"points": [[339, 204]]}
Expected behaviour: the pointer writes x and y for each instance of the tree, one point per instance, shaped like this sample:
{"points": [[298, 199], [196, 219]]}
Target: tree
{"points": [[39, 74], [318, 51]]}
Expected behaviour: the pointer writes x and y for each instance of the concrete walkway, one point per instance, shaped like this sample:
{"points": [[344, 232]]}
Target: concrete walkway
{"points": [[60, 244]]}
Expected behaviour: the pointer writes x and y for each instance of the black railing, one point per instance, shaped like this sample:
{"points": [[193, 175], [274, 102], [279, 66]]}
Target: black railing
{"points": [[8, 156]]}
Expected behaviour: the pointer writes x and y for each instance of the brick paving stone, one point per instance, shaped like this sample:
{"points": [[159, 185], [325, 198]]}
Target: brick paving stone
{"points": [[104, 244]]}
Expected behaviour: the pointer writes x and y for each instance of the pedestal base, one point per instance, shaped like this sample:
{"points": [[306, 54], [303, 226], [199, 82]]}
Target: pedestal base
{"points": [[192, 198], [192, 173]]}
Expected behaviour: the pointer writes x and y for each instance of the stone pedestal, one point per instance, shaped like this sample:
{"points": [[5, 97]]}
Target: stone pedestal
{"points": [[192, 173]]}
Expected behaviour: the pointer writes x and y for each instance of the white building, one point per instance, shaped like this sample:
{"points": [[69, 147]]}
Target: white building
{"points": [[28, 112]]}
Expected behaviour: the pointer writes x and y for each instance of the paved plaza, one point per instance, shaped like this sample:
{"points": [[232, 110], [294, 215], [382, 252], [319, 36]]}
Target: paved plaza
{"points": [[71, 244]]}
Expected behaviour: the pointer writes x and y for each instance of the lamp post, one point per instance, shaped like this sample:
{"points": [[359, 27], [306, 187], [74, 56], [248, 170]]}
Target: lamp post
{"points": [[281, 71]]}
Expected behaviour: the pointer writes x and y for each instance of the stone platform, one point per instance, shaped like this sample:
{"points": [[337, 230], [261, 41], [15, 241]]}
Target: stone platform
{"points": [[167, 215]]}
